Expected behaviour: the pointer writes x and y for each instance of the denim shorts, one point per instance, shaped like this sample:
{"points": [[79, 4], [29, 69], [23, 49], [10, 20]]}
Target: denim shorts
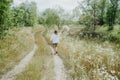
{"points": [[55, 44]]}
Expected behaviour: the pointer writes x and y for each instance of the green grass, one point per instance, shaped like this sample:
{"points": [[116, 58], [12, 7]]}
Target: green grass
{"points": [[112, 36], [41, 67], [114, 32], [104, 29], [14, 47]]}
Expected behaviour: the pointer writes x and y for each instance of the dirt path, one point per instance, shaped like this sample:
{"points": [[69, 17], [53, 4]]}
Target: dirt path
{"points": [[59, 69], [21, 66]]}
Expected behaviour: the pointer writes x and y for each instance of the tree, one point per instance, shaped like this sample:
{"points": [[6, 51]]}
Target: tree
{"points": [[41, 19], [19, 13], [118, 16], [31, 13], [25, 14], [89, 10], [51, 17], [4, 8], [111, 13], [102, 7]]}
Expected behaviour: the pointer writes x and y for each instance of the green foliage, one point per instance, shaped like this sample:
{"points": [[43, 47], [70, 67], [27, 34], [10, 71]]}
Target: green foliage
{"points": [[93, 13], [32, 11], [99, 12], [102, 7], [111, 13], [118, 16], [4, 8], [113, 38], [50, 17], [25, 14], [41, 20], [86, 19], [18, 16]]}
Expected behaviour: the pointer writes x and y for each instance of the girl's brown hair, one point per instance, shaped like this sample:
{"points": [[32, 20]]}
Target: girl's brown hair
{"points": [[55, 32]]}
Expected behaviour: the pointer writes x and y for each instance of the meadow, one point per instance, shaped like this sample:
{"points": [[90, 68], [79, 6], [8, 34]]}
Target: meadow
{"points": [[41, 66], [15, 46], [89, 59]]}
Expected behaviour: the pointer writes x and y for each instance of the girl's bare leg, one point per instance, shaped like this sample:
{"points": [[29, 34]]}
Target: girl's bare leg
{"points": [[56, 49]]}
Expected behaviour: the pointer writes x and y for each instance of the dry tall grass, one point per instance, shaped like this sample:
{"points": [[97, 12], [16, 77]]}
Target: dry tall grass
{"points": [[14, 47], [86, 60], [41, 67]]}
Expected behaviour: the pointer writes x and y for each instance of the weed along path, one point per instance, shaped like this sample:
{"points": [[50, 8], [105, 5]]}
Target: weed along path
{"points": [[59, 69], [21, 66]]}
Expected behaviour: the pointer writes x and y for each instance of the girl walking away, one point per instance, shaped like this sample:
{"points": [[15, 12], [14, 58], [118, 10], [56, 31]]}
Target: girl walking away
{"points": [[55, 40]]}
